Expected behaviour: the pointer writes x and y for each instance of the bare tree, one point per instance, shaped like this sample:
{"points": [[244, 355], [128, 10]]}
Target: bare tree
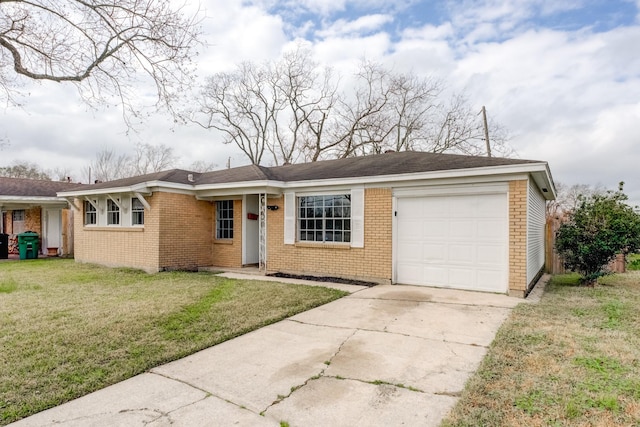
{"points": [[24, 170], [202, 166], [61, 174], [293, 110], [149, 158], [276, 108], [568, 197], [108, 165], [100, 46], [457, 128]]}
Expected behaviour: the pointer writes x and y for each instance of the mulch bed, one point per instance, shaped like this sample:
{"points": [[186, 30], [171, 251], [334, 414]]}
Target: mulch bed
{"points": [[324, 279]]}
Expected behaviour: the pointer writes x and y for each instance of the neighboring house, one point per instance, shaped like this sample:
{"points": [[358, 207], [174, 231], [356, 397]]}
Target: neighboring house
{"points": [[414, 218], [32, 205]]}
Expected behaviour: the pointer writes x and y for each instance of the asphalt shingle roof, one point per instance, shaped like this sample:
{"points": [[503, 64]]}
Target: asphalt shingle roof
{"points": [[22, 187], [352, 167]]}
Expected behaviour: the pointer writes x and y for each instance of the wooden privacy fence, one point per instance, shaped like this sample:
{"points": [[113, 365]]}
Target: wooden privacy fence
{"points": [[554, 263]]}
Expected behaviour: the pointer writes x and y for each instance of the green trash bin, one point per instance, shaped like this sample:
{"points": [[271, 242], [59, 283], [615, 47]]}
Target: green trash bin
{"points": [[28, 243]]}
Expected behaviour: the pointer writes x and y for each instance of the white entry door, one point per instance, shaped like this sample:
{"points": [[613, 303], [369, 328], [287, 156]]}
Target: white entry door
{"points": [[453, 241], [53, 232]]}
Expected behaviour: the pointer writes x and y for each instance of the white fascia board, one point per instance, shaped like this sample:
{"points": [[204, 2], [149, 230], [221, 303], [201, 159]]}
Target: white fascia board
{"points": [[494, 171], [142, 188], [32, 200], [210, 191]]}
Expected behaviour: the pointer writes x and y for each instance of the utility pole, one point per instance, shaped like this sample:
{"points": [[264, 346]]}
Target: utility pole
{"points": [[486, 130]]}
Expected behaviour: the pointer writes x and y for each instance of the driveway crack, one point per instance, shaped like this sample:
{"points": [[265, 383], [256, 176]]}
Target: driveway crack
{"points": [[313, 378], [206, 392]]}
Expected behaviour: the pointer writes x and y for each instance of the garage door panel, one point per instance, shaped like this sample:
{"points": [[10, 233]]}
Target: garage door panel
{"points": [[490, 229], [463, 241], [409, 273], [435, 276], [411, 252], [489, 254], [487, 279], [438, 207], [433, 253], [461, 277], [462, 229], [436, 229], [461, 254]]}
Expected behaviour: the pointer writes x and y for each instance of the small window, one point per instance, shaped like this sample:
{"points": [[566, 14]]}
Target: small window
{"points": [[137, 212], [324, 218], [18, 221], [113, 213], [90, 213], [224, 219]]}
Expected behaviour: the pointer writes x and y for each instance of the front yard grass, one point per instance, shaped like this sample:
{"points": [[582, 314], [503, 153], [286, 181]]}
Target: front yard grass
{"points": [[571, 360], [68, 329]]}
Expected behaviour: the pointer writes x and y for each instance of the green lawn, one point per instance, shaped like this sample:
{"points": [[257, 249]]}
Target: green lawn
{"points": [[68, 329], [571, 360], [633, 262]]}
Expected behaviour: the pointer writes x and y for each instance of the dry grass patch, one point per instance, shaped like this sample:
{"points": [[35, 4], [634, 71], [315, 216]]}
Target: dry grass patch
{"points": [[571, 360], [69, 329]]}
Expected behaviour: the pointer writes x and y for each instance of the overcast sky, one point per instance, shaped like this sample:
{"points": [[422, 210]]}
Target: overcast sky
{"points": [[562, 76]]}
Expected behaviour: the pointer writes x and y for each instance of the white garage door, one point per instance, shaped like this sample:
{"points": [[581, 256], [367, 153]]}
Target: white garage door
{"points": [[456, 241]]}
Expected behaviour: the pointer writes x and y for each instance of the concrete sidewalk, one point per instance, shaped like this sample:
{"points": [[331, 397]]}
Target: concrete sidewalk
{"points": [[387, 355]]}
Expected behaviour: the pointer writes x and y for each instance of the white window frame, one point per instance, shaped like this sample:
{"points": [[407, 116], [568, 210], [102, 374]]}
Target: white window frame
{"points": [[85, 211], [357, 215], [137, 208], [113, 203], [221, 230], [20, 222], [319, 223]]}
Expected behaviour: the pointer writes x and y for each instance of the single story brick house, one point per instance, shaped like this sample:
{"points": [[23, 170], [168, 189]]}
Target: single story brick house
{"points": [[415, 218], [33, 205]]}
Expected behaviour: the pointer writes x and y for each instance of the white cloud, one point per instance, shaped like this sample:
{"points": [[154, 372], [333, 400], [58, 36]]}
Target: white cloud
{"points": [[567, 97], [364, 24]]}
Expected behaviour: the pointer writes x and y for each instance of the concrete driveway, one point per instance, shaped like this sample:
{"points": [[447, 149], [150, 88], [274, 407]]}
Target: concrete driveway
{"points": [[387, 355]]}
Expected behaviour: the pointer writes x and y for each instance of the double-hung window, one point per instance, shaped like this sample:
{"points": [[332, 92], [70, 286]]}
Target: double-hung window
{"points": [[324, 218], [113, 213], [137, 212], [90, 213], [224, 219]]}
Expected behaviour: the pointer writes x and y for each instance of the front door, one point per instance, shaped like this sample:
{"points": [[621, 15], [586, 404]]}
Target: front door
{"points": [[53, 231], [251, 229]]}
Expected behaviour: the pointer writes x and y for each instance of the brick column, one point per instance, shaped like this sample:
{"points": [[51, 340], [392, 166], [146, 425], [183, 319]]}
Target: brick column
{"points": [[518, 238]]}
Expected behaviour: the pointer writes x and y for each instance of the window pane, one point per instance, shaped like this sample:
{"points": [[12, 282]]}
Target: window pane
{"points": [[224, 219], [316, 218]]}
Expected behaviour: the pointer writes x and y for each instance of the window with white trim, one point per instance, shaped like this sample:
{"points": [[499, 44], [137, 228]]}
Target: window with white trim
{"points": [[113, 213], [90, 213], [137, 212], [17, 218], [324, 218], [224, 219]]}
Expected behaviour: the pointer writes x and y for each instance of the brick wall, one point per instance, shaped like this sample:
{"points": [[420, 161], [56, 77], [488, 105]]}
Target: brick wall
{"points": [[119, 246], [176, 234], [373, 262], [32, 222], [518, 238], [228, 252], [185, 231]]}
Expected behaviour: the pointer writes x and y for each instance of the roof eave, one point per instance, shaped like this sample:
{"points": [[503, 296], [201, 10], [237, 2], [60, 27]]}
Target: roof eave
{"points": [[143, 187], [49, 201]]}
